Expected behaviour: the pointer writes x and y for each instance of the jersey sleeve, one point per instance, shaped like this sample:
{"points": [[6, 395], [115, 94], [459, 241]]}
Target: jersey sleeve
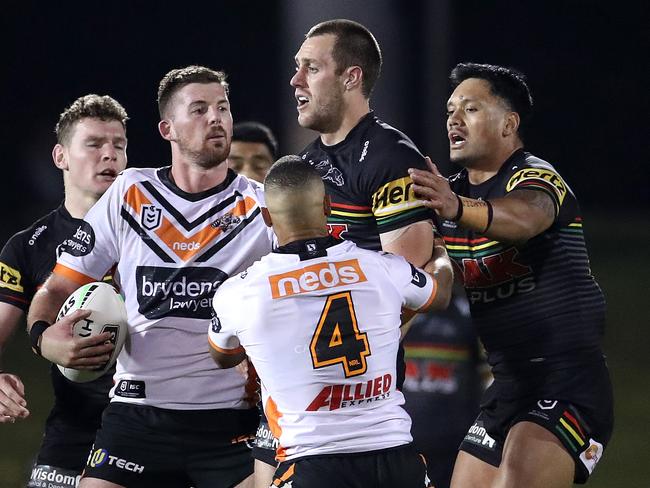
{"points": [[544, 179], [258, 188], [222, 334], [393, 202], [418, 288], [94, 247], [16, 286]]}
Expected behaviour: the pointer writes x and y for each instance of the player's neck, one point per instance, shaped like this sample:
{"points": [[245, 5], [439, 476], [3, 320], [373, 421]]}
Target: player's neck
{"points": [[192, 178], [78, 204], [489, 166], [353, 113], [287, 236]]}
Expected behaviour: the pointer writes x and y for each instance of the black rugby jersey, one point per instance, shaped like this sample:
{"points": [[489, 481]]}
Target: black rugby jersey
{"points": [[535, 301], [366, 176], [25, 263]]}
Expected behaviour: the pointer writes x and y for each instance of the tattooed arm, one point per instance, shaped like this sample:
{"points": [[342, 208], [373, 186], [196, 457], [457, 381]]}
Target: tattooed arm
{"points": [[521, 215], [516, 217]]}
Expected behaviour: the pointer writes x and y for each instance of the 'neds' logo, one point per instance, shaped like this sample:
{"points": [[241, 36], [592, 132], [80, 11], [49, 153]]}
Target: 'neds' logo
{"points": [[316, 277]]}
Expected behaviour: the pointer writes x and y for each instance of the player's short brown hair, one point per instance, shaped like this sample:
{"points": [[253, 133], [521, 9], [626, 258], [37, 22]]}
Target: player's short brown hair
{"points": [[354, 46], [89, 106], [178, 78]]}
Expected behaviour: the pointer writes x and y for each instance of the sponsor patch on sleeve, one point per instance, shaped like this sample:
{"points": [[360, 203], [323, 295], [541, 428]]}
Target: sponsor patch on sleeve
{"points": [[10, 278], [417, 277], [541, 178], [80, 243], [394, 197]]}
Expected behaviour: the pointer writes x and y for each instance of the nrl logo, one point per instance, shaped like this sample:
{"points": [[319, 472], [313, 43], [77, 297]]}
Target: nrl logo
{"points": [[151, 217], [226, 222]]}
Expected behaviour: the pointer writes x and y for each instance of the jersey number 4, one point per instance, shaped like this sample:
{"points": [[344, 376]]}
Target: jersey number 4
{"points": [[337, 338]]}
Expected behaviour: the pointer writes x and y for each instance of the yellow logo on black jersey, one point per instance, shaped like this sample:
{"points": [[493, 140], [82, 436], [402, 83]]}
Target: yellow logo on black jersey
{"points": [[394, 197], [10, 278], [542, 175]]}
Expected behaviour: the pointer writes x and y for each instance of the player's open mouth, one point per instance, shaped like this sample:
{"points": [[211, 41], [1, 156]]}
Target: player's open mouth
{"points": [[302, 101], [456, 139]]}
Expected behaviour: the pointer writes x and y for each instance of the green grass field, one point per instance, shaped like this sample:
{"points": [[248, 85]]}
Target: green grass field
{"points": [[618, 254]]}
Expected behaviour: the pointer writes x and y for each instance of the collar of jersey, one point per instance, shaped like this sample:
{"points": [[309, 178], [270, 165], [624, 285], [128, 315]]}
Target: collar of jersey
{"points": [[519, 153], [63, 212], [365, 121], [311, 248], [165, 176]]}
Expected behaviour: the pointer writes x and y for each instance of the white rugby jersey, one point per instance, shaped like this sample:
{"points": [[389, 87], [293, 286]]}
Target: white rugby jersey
{"points": [[172, 249], [321, 326]]}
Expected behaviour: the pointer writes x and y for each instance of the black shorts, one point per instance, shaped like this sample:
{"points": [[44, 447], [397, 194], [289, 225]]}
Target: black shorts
{"points": [[144, 446], [575, 404], [265, 444], [398, 466], [66, 444]]}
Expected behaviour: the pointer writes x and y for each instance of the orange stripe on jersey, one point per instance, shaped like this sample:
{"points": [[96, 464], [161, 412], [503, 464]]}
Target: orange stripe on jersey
{"points": [[273, 416], [73, 275], [184, 247], [285, 477], [408, 313], [434, 292], [135, 198], [230, 352]]}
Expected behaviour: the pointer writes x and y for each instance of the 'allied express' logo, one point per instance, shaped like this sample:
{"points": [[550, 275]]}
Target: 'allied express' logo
{"points": [[173, 292]]}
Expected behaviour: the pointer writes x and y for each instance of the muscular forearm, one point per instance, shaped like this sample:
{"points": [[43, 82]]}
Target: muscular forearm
{"points": [[515, 218], [46, 304]]}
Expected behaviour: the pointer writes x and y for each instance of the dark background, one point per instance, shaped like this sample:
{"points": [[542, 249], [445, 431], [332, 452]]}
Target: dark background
{"points": [[587, 66]]}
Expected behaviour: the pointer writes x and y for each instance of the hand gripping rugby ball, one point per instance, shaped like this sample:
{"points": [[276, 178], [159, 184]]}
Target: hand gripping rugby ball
{"points": [[108, 315]]}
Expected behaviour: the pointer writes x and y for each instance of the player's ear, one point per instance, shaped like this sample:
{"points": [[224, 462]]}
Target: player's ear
{"points": [[58, 156], [353, 77], [327, 205], [511, 123], [267, 217], [165, 129]]}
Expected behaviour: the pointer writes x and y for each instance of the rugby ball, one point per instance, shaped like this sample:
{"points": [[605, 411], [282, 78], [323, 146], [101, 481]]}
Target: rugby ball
{"points": [[108, 315]]}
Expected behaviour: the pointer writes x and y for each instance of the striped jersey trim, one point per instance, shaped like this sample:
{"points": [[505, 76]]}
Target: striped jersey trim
{"points": [[72, 274], [229, 352]]}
